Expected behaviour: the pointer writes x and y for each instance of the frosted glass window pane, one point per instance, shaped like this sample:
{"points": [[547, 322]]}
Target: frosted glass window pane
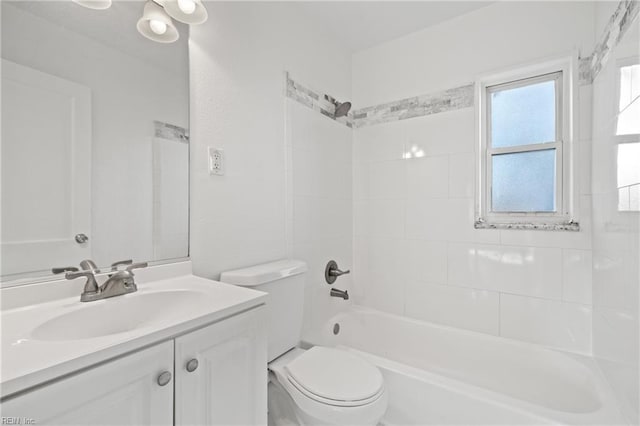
{"points": [[524, 115], [629, 102], [524, 181], [629, 176]]}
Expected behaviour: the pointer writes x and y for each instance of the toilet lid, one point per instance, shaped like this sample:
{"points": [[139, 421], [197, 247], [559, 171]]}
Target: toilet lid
{"points": [[335, 374]]}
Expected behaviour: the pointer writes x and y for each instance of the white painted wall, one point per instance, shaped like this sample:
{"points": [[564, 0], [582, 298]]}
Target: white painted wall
{"points": [[616, 236], [238, 59], [416, 251], [128, 94]]}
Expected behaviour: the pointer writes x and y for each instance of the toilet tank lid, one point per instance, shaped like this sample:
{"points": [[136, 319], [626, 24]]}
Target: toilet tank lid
{"points": [[262, 274]]}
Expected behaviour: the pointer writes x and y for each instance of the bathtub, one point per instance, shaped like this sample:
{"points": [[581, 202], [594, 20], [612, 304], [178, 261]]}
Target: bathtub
{"points": [[442, 375]]}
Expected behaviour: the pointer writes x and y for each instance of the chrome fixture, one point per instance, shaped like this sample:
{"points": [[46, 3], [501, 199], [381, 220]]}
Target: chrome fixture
{"points": [[89, 265], [115, 265], [331, 272], [339, 293], [192, 365], [341, 108], [81, 238], [119, 282], [62, 269], [164, 378]]}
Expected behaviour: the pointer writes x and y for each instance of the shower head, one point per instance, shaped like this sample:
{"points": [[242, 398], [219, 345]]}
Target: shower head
{"points": [[342, 109]]}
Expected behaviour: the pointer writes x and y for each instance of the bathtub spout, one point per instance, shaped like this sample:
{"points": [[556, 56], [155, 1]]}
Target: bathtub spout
{"points": [[339, 293]]}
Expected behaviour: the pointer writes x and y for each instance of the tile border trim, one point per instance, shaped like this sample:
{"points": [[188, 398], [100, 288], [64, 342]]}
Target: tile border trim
{"points": [[626, 12], [170, 132], [314, 100], [463, 96], [416, 106]]}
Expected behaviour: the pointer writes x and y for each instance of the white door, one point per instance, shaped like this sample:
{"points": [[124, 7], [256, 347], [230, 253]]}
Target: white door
{"points": [[229, 384], [46, 170], [122, 392]]}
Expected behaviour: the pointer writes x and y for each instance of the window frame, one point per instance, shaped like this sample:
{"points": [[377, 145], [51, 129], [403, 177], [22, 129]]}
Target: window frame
{"points": [[562, 71], [628, 138]]}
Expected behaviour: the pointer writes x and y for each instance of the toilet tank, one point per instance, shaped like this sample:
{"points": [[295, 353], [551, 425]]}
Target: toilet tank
{"points": [[283, 280]]}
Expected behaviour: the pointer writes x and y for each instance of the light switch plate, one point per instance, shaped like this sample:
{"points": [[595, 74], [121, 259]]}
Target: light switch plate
{"points": [[216, 161]]}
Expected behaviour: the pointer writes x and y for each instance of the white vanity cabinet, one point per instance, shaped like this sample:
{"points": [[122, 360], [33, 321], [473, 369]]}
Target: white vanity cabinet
{"points": [[221, 373], [229, 385], [120, 392]]}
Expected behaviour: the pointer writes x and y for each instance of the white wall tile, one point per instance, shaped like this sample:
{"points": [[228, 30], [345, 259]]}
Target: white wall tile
{"points": [[518, 270], [444, 133], [427, 219], [426, 177], [380, 142], [462, 175], [383, 218], [576, 276], [426, 261], [387, 179], [460, 226], [385, 277], [360, 180], [561, 239], [471, 309], [546, 322]]}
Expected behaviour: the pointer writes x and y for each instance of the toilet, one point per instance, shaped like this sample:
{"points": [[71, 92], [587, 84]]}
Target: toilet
{"points": [[320, 385]]}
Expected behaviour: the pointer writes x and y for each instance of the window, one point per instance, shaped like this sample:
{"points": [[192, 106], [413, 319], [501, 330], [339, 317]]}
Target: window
{"points": [[628, 135], [524, 151]]}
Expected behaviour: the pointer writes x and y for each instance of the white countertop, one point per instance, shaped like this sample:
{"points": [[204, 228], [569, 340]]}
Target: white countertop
{"points": [[27, 361]]}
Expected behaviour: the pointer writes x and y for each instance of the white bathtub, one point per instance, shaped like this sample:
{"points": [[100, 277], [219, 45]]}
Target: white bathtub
{"points": [[443, 375]]}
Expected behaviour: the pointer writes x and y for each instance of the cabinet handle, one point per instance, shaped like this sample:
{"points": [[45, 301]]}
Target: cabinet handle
{"points": [[164, 378], [192, 365]]}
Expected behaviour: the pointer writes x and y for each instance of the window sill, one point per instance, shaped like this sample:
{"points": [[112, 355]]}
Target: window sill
{"points": [[529, 226]]}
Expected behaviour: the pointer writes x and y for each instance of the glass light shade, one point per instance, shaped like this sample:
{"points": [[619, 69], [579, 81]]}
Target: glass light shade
{"points": [[94, 4], [198, 16], [154, 12]]}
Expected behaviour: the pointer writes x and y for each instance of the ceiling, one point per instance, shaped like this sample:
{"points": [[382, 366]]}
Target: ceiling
{"points": [[114, 27], [358, 24], [363, 24]]}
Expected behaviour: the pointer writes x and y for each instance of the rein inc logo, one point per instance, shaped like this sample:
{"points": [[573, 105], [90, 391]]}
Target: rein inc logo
{"points": [[17, 421]]}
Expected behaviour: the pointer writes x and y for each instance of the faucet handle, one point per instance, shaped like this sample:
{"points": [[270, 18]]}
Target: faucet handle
{"points": [[115, 265], [63, 269], [137, 266], [72, 275]]}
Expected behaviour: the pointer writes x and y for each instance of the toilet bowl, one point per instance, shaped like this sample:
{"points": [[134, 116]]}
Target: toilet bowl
{"points": [[322, 385], [325, 386]]}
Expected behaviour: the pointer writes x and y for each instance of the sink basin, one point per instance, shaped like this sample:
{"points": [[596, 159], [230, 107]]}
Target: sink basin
{"points": [[115, 315]]}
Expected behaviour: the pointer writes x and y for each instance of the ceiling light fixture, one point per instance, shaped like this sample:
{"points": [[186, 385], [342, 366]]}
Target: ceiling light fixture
{"points": [[187, 11], [94, 4], [156, 25]]}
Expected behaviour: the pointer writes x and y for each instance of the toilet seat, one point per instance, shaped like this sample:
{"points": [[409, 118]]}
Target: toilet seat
{"points": [[335, 377], [307, 378]]}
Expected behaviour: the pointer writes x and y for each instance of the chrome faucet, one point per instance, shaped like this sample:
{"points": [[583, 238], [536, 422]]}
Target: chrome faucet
{"points": [[118, 282], [332, 272], [339, 293]]}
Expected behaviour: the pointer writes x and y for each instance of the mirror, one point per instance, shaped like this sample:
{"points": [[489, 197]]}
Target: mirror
{"points": [[95, 147]]}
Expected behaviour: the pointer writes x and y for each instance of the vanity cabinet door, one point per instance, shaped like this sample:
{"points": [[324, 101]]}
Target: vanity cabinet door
{"points": [[121, 392], [221, 373]]}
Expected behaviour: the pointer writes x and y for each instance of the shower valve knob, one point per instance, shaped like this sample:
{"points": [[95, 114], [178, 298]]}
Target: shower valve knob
{"points": [[332, 272]]}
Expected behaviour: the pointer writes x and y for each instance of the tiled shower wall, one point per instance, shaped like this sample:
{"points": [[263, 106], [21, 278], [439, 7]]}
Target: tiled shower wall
{"points": [[416, 250], [320, 180], [616, 236]]}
